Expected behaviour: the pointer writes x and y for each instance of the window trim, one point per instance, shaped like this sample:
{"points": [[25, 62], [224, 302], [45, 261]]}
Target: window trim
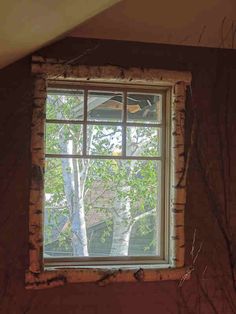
{"points": [[44, 69]]}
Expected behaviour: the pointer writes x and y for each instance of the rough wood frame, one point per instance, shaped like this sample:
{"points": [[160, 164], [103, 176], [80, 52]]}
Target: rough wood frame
{"points": [[43, 69]]}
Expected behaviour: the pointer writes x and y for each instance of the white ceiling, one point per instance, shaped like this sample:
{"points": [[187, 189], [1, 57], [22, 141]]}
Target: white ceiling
{"points": [[26, 25], [209, 23]]}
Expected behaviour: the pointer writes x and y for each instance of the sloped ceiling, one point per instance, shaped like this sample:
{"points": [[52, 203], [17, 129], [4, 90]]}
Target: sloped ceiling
{"points": [[26, 25], [209, 23]]}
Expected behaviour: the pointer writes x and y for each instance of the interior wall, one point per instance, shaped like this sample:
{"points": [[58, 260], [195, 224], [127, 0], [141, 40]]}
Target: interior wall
{"points": [[210, 212]]}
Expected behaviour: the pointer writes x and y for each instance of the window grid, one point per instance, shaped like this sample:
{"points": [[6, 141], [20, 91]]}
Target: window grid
{"points": [[164, 245], [124, 124]]}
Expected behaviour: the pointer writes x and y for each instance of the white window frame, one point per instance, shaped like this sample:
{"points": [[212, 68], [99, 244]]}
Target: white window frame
{"points": [[175, 82]]}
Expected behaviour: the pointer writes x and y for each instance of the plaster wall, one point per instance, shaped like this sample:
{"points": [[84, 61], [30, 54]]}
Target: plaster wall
{"points": [[211, 186]]}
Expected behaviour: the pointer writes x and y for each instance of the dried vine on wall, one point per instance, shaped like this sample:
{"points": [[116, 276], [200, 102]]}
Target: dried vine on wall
{"points": [[211, 149]]}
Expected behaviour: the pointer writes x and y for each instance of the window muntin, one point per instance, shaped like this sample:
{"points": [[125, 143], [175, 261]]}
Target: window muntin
{"points": [[116, 141]]}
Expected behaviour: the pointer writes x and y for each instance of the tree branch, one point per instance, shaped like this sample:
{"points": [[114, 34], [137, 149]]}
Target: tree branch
{"points": [[150, 212]]}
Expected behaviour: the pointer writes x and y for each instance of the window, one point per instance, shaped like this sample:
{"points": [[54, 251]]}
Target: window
{"points": [[105, 150], [110, 202]]}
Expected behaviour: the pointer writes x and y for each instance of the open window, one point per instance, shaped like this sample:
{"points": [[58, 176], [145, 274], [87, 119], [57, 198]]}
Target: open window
{"points": [[108, 175]]}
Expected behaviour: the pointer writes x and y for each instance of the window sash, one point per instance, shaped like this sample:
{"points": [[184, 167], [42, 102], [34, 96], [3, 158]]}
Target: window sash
{"points": [[163, 216]]}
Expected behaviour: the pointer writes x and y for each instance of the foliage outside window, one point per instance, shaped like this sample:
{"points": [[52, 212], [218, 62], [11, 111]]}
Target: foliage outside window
{"points": [[113, 190], [103, 175]]}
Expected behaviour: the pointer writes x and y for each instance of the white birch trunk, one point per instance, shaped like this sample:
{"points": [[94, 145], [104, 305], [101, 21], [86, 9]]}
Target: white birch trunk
{"points": [[73, 188], [122, 221], [121, 227], [78, 224]]}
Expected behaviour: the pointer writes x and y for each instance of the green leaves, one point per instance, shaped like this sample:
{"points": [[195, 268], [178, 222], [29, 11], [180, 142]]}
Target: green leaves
{"points": [[71, 135], [69, 102]]}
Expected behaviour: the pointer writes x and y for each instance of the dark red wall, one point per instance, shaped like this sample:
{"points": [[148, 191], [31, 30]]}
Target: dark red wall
{"points": [[211, 186]]}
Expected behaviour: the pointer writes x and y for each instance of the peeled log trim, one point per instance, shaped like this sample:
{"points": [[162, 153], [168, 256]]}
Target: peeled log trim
{"points": [[50, 279], [178, 175], [37, 179], [59, 69]]}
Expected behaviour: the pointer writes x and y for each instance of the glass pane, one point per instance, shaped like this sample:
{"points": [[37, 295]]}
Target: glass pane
{"points": [[113, 211], [65, 104], [104, 140], [64, 138], [143, 141], [145, 108], [57, 229], [105, 106]]}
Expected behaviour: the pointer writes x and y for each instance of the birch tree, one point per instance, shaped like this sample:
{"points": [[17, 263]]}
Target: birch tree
{"points": [[129, 181], [67, 140]]}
